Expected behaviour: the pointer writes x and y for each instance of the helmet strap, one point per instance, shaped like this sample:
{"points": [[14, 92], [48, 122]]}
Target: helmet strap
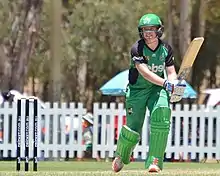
{"points": [[160, 31]]}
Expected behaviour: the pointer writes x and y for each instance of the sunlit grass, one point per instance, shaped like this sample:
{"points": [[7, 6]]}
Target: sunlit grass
{"points": [[104, 169]]}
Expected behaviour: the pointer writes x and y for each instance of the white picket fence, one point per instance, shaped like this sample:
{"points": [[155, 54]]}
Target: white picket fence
{"points": [[194, 131]]}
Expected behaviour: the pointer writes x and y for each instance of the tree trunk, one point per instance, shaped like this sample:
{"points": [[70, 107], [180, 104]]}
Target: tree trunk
{"points": [[56, 50], [82, 70], [90, 97], [170, 22], [16, 50], [202, 20], [185, 26], [199, 20], [81, 78]]}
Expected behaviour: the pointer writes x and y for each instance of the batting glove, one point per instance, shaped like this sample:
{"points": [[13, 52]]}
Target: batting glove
{"points": [[168, 86]]}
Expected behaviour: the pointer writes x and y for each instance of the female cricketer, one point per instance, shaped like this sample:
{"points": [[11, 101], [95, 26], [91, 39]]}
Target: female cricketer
{"points": [[151, 63]]}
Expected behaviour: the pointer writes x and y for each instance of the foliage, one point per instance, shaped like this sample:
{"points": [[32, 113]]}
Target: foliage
{"points": [[101, 33]]}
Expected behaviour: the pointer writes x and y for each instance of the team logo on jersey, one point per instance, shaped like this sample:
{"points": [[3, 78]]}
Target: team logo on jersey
{"points": [[156, 68], [154, 55]]}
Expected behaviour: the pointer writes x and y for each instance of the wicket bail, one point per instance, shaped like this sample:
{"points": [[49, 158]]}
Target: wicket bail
{"points": [[35, 133]]}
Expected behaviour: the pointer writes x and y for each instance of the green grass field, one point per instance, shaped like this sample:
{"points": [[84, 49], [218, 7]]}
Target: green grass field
{"points": [[104, 169]]}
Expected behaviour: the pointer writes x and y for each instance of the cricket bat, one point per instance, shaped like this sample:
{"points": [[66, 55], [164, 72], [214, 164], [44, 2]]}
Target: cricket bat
{"points": [[186, 66], [189, 58]]}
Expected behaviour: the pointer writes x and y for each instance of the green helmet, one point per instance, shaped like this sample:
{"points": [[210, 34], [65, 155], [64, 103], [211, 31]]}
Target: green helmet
{"points": [[150, 20]]}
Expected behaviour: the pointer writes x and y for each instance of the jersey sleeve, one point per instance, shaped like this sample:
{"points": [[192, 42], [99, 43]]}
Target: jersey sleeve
{"points": [[136, 51], [169, 61]]}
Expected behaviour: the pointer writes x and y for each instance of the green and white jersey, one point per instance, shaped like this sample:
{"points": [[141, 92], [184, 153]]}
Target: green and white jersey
{"points": [[156, 60]]}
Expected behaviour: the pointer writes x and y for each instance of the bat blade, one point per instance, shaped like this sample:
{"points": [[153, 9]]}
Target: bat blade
{"points": [[190, 57], [186, 65]]}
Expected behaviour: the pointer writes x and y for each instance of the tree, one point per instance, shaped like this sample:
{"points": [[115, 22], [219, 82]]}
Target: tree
{"points": [[96, 39], [16, 48], [55, 51], [185, 26]]}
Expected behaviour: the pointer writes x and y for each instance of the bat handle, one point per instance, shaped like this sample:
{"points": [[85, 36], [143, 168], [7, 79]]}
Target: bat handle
{"points": [[180, 79]]}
